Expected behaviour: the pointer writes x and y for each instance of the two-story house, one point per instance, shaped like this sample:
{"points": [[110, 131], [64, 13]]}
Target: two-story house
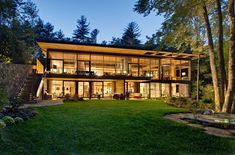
{"points": [[105, 71]]}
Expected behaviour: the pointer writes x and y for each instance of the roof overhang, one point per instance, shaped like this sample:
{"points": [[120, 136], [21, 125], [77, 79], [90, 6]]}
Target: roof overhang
{"points": [[71, 46]]}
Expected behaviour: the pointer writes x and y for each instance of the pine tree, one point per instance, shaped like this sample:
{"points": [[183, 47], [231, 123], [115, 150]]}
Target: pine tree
{"points": [[81, 34], [131, 34], [59, 35], [94, 35]]}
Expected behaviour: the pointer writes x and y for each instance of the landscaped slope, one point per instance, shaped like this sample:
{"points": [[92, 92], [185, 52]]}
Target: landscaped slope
{"points": [[116, 127]]}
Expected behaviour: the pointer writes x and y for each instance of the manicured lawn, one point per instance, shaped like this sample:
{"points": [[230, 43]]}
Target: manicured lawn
{"points": [[109, 127]]}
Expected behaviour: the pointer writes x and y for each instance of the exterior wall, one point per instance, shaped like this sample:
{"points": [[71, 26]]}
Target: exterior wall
{"points": [[40, 68], [13, 76]]}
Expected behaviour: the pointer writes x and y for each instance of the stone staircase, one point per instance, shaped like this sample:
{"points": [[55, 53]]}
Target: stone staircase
{"points": [[27, 93]]}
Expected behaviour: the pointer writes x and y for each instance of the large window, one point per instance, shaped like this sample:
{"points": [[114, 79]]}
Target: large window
{"points": [[109, 65], [165, 87], [144, 67], [97, 64], [70, 63], [56, 66], [69, 88], [108, 89], [83, 89], [155, 90], [155, 68], [97, 89], [56, 88], [121, 66], [165, 69], [144, 90], [180, 90]]}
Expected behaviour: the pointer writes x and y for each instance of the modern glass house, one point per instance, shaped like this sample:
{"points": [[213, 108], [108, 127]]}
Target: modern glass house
{"points": [[103, 71]]}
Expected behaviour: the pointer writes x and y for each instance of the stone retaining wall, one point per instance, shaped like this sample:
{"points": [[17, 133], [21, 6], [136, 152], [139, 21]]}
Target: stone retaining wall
{"points": [[12, 77]]}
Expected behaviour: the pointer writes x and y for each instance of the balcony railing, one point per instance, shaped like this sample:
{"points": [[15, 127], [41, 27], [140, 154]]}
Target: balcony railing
{"points": [[117, 73]]}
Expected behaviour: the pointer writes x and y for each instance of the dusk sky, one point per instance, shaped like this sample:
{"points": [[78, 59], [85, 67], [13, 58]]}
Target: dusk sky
{"points": [[109, 16]]}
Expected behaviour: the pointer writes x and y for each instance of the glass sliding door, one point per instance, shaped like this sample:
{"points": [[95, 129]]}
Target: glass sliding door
{"points": [[56, 88], [69, 88], [144, 90], [165, 89], [108, 89], [83, 89], [97, 89], [155, 90]]}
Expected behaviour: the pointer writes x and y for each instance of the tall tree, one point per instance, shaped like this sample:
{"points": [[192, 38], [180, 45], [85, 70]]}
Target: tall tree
{"points": [[182, 25], [230, 94], [215, 80], [116, 41], [220, 50], [94, 34], [81, 33], [131, 35], [59, 35]]}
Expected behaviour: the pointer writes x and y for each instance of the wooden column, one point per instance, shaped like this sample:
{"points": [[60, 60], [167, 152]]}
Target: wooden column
{"points": [[198, 76]]}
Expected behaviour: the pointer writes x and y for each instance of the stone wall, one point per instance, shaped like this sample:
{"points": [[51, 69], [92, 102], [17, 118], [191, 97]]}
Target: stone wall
{"points": [[12, 76]]}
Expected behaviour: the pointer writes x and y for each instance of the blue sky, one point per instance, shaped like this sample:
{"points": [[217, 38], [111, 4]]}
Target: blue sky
{"points": [[109, 16]]}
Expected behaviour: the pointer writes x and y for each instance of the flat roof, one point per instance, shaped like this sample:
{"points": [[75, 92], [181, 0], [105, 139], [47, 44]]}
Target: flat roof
{"points": [[46, 45]]}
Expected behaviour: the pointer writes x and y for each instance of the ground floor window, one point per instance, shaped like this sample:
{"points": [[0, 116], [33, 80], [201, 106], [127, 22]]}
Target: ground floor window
{"points": [[83, 89], [144, 90], [55, 88], [155, 89], [97, 89], [69, 88], [108, 89]]}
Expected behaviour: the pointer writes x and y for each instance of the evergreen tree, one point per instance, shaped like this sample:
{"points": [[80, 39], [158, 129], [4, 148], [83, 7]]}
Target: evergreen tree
{"points": [[116, 41], [81, 34], [94, 34], [59, 35], [131, 35]]}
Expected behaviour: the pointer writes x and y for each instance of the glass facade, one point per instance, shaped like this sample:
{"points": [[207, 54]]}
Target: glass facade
{"points": [[111, 65], [112, 70]]}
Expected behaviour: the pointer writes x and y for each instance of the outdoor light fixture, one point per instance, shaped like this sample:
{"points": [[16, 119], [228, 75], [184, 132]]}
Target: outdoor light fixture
{"points": [[183, 73]]}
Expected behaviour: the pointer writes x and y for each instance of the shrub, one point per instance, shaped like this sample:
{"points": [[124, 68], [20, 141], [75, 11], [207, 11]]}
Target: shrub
{"points": [[19, 120], [177, 101], [8, 120], [2, 124]]}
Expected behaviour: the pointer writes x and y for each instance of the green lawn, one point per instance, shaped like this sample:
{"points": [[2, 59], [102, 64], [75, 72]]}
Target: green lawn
{"points": [[109, 127]]}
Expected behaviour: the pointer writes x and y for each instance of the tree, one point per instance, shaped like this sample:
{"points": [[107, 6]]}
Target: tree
{"points": [[230, 93], [131, 35], [182, 25], [59, 35], [116, 41], [81, 34], [94, 34]]}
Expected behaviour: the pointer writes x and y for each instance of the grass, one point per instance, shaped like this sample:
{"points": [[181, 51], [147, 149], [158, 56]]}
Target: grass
{"points": [[109, 127]]}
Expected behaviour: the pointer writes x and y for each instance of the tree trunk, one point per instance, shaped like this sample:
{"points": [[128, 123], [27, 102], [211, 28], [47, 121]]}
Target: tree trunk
{"points": [[214, 73], [233, 106], [221, 52], [230, 93]]}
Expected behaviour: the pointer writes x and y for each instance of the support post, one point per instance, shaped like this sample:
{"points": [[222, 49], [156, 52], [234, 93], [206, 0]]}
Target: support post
{"points": [[198, 76]]}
